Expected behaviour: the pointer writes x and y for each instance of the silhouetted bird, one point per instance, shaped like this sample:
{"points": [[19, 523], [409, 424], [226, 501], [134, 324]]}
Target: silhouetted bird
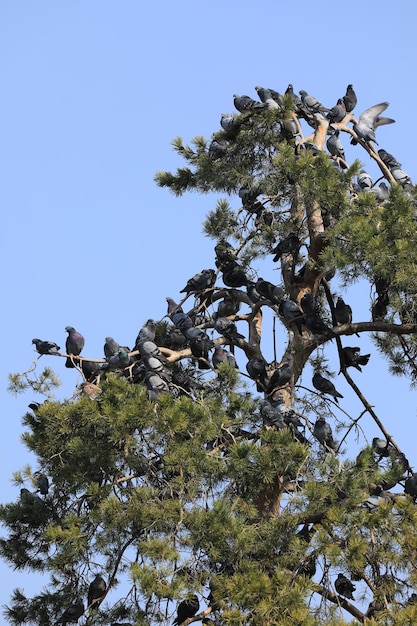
{"points": [[410, 486], [226, 327], [290, 243], [228, 306], [256, 369], [187, 608], [74, 344], [73, 613], [233, 275], [343, 312], [324, 385], [199, 282], [350, 100], [46, 347], [353, 358], [316, 326], [308, 304], [96, 591], [281, 376], [344, 586], [292, 313], [42, 483], [269, 291], [323, 433]]}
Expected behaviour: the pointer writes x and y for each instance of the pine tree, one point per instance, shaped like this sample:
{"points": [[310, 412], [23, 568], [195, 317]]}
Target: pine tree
{"points": [[176, 487]]}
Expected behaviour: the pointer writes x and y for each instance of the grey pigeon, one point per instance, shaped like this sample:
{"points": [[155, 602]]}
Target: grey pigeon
{"points": [[337, 113], [217, 148], [323, 433], [228, 306], [344, 586], [291, 313], [42, 483], [381, 192], [111, 347], [352, 357], [199, 282], [148, 331], [226, 327], [311, 103], [318, 327], [410, 486], [401, 177], [343, 312], [96, 591], [221, 355], [187, 608], [335, 146], [266, 96], [46, 347], [72, 614], [272, 415], [74, 344], [228, 121], [281, 376], [120, 360], [349, 99], [245, 103], [369, 120], [324, 385], [364, 181], [375, 499], [148, 348], [381, 446], [389, 160]]}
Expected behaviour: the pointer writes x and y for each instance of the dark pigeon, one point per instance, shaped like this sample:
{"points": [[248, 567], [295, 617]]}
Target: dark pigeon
{"points": [[316, 326], [291, 313], [353, 358], [199, 282], [271, 415], [187, 608], [337, 113], [349, 99], [42, 483], [226, 327], [270, 97], [323, 433], [245, 103], [389, 160], [369, 120], [308, 304], [72, 614], [311, 103], [218, 148], [46, 347], [253, 293], [233, 275], [221, 355], [256, 369], [269, 291], [410, 486], [324, 385], [289, 244], [74, 344], [343, 312], [228, 306], [281, 376], [344, 586], [96, 591], [111, 347]]}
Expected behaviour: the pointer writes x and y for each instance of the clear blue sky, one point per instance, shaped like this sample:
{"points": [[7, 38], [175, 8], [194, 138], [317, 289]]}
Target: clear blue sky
{"points": [[92, 93]]}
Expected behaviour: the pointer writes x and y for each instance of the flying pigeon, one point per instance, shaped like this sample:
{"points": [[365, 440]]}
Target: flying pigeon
{"points": [[343, 312], [187, 608], [323, 433], [199, 282], [96, 591], [369, 120], [221, 355], [111, 347], [344, 586], [74, 344], [73, 613], [349, 99], [353, 358], [311, 103], [324, 385], [46, 347]]}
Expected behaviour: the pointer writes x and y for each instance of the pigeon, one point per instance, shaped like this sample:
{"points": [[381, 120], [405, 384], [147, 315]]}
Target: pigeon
{"points": [[349, 99], [218, 148], [311, 103], [120, 360], [256, 369], [364, 181], [337, 113], [111, 347], [270, 97], [155, 382], [369, 120], [244, 103], [74, 344], [253, 293], [410, 486], [223, 356], [389, 160], [342, 312], [224, 253], [352, 357], [200, 346], [228, 121], [272, 415], [228, 306], [269, 291], [335, 146], [281, 376], [148, 331], [381, 446], [379, 309], [226, 327], [290, 244], [344, 586], [291, 313], [46, 347], [381, 192], [187, 608], [233, 275], [73, 613], [308, 304], [323, 433], [316, 326], [199, 282], [96, 591], [42, 483], [177, 315], [375, 499], [295, 99], [324, 385], [401, 177]]}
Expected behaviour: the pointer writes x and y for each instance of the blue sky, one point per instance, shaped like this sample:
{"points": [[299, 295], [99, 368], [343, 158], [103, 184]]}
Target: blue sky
{"points": [[93, 92]]}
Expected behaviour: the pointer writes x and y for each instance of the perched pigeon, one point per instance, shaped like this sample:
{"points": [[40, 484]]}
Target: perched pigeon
{"points": [[289, 244], [369, 120], [344, 586], [343, 312], [353, 358], [337, 113], [364, 181], [269, 291], [381, 446], [226, 327], [253, 293], [200, 346], [233, 274], [46, 347], [244, 103], [323, 433], [148, 331], [96, 591], [187, 608], [324, 385], [221, 355], [217, 148], [389, 160], [381, 192], [401, 177], [335, 146], [272, 415], [375, 499], [42, 483], [228, 306], [111, 347], [120, 360], [311, 103], [281, 376], [410, 486], [73, 613], [349, 99], [199, 282], [74, 344], [256, 369], [270, 97], [308, 304], [291, 313], [316, 326], [228, 121]]}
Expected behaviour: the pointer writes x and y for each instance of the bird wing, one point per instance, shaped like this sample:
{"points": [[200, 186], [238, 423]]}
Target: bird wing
{"points": [[369, 116]]}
